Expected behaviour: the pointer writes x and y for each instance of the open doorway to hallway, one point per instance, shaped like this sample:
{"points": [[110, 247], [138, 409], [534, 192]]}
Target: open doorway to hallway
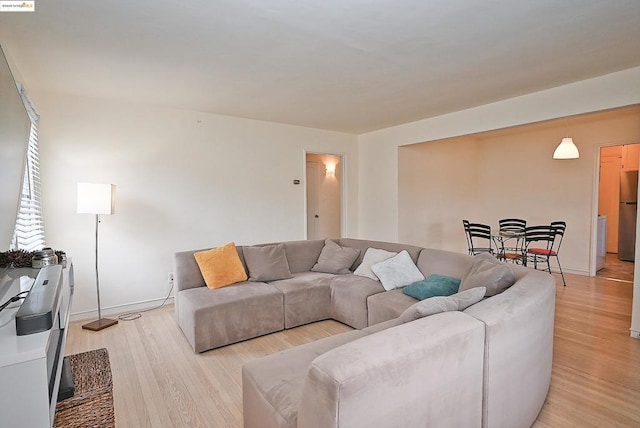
{"points": [[324, 195], [617, 211]]}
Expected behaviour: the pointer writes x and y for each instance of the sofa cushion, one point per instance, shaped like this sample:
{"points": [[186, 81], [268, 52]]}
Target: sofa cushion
{"points": [[371, 257], [349, 299], [398, 271], [487, 271], [431, 286], [335, 259], [267, 263], [221, 266], [434, 305], [388, 305], [272, 385], [214, 318], [307, 297]]}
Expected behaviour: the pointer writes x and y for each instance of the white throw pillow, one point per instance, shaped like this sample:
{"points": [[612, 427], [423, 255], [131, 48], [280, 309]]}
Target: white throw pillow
{"points": [[371, 257], [398, 271], [435, 305]]}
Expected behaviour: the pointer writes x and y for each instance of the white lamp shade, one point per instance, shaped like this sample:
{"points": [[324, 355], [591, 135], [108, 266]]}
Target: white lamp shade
{"points": [[566, 150], [96, 198]]}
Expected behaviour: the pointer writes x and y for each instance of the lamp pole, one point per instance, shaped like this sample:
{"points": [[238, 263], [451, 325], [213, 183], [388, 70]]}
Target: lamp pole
{"points": [[97, 275], [97, 199]]}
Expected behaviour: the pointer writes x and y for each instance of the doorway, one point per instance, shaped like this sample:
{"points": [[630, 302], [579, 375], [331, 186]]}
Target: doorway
{"points": [[617, 211], [324, 174]]}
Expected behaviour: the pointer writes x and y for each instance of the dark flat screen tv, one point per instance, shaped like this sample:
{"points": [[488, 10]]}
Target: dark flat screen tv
{"points": [[14, 141]]}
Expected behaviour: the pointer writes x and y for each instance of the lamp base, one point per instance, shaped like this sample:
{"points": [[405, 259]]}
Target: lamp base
{"points": [[100, 324]]}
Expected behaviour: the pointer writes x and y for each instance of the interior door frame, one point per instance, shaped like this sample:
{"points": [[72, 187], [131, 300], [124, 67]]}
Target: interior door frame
{"points": [[594, 214], [313, 197], [343, 187], [635, 305]]}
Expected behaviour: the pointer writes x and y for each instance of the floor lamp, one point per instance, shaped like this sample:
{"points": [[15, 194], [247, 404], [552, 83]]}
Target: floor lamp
{"points": [[97, 199]]}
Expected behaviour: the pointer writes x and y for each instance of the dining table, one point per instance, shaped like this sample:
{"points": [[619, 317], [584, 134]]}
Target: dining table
{"points": [[501, 237]]}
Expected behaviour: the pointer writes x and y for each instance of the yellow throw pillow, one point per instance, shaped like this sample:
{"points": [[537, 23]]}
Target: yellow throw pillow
{"points": [[221, 266]]}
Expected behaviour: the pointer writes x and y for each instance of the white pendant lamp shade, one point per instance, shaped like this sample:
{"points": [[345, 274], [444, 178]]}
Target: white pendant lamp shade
{"points": [[566, 150], [96, 198]]}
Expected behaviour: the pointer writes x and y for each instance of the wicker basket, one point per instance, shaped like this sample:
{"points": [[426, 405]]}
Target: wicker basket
{"points": [[92, 402]]}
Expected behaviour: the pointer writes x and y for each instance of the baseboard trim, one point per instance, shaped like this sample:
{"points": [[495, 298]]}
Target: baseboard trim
{"points": [[120, 309]]}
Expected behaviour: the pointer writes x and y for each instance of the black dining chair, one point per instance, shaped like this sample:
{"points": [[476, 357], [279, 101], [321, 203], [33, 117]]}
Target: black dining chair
{"points": [[542, 243], [559, 228], [478, 237], [512, 229]]}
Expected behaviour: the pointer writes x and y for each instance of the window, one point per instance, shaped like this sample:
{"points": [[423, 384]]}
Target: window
{"points": [[29, 231]]}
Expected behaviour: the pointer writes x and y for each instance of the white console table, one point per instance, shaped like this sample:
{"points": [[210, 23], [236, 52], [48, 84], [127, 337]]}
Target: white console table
{"points": [[31, 365]]}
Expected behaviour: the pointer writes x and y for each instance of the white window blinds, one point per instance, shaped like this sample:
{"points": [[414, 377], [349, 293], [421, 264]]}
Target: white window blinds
{"points": [[29, 231]]}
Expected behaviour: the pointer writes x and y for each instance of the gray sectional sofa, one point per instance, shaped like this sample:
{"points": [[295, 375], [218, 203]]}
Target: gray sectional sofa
{"points": [[489, 365]]}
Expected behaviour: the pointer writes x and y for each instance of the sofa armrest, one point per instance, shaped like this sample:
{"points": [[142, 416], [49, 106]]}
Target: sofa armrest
{"points": [[519, 349], [426, 372]]}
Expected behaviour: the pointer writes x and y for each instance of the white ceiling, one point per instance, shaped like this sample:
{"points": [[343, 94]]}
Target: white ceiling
{"points": [[346, 65]]}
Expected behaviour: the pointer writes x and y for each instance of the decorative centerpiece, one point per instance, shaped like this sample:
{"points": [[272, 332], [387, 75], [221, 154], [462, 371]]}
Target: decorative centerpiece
{"points": [[37, 259]]}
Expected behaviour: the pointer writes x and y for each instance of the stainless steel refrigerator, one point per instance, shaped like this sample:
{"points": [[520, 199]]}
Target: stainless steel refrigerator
{"points": [[628, 215]]}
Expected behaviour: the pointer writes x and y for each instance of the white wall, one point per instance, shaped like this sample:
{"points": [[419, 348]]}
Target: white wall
{"points": [[184, 179], [378, 154], [438, 186]]}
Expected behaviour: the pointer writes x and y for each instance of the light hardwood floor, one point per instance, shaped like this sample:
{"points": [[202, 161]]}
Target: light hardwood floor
{"points": [[614, 268], [160, 382]]}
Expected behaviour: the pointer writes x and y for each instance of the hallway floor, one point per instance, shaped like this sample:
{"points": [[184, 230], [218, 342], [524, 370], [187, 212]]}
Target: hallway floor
{"points": [[616, 269]]}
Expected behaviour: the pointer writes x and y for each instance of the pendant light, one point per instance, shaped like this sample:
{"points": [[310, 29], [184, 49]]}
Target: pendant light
{"points": [[566, 150]]}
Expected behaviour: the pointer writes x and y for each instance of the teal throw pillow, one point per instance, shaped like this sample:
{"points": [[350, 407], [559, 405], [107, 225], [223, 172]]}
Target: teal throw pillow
{"points": [[434, 285]]}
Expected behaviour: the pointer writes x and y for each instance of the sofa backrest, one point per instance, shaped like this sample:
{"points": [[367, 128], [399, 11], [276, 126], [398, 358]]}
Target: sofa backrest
{"points": [[301, 255], [443, 262], [186, 273], [363, 245]]}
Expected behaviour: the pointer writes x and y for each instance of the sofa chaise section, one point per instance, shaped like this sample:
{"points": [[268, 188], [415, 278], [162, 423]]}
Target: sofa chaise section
{"points": [[271, 385], [238, 312], [426, 372], [214, 318]]}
